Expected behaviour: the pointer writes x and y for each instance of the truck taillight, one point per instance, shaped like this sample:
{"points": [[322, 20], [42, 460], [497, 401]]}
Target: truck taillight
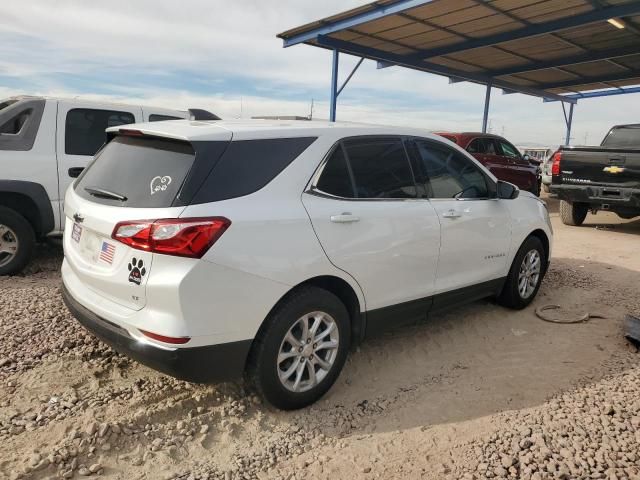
{"points": [[182, 237], [555, 163]]}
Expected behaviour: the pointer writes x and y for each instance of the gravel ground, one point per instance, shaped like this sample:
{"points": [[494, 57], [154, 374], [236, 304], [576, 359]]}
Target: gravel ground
{"points": [[481, 392]]}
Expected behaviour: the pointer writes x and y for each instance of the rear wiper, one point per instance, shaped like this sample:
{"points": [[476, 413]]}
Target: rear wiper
{"points": [[101, 192]]}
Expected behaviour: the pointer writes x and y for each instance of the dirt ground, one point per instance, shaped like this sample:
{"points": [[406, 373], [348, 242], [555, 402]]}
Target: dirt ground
{"points": [[481, 392]]}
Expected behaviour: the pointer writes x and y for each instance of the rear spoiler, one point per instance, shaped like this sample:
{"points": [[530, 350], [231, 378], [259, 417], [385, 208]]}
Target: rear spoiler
{"points": [[199, 114]]}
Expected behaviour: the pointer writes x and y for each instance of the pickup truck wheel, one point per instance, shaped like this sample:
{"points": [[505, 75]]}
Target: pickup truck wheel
{"points": [[573, 213], [301, 349], [525, 276], [17, 240]]}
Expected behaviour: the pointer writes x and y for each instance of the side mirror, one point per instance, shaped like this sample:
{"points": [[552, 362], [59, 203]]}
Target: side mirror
{"points": [[507, 191], [526, 157]]}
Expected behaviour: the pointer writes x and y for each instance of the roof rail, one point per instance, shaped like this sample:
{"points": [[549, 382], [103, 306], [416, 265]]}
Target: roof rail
{"points": [[199, 114]]}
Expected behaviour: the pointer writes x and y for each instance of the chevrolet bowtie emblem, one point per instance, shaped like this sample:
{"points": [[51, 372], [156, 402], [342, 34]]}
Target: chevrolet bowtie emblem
{"points": [[614, 169]]}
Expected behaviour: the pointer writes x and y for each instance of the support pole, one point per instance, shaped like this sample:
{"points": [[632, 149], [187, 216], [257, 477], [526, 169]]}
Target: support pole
{"points": [[344, 84], [334, 86], [485, 116], [569, 121]]}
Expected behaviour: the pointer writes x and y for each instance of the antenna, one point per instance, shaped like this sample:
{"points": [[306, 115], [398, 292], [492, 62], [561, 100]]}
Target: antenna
{"points": [[311, 112]]}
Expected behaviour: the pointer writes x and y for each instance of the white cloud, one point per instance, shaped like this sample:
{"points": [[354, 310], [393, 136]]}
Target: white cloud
{"points": [[60, 46]]}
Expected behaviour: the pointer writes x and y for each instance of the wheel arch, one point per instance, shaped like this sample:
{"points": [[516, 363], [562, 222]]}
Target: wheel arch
{"points": [[341, 289], [542, 236], [30, 200]]}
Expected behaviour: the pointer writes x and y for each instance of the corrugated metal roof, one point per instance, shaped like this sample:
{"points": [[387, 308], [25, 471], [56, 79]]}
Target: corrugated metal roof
{"points": [[540, 47]]}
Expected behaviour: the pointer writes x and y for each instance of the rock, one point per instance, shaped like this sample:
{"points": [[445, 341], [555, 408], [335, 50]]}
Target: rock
{"points": [[95, 468]]}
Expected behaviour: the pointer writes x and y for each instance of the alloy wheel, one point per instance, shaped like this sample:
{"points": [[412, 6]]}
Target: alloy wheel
{"points": [[529, 274], [308, 351], [8, 245]]}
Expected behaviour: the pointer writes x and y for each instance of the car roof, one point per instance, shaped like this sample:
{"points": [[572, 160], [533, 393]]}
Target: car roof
{"points": [[190, 130], [97, 103]]}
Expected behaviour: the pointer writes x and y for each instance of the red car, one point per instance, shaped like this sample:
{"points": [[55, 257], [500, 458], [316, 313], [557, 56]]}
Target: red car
{"points": [[501, 157]]}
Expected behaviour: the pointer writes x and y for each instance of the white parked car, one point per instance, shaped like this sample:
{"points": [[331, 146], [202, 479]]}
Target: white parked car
{"points": [[211, 249], [44, 144]]}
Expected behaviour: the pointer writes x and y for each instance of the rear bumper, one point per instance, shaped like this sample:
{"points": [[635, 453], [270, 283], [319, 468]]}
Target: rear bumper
{"points": [[597, 196], [205, 364]]}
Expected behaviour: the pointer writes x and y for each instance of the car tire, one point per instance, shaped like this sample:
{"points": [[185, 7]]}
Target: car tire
{"points": [[524, 278], [573, 213], [15, 232], [281, 369]]}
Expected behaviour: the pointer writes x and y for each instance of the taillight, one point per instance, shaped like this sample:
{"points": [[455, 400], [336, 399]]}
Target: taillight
{"points": [[165, 339], [555, 165], [182, 237]]}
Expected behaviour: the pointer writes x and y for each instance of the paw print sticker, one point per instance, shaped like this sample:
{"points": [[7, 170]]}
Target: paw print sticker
{"points": [[136, 271]]}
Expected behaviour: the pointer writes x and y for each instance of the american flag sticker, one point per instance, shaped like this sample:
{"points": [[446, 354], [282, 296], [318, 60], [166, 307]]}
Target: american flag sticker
{"points": [[107, 252]]}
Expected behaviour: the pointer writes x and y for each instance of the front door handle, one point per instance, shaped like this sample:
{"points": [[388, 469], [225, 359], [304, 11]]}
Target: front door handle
{"points": [[451, 214], [345, 217]]}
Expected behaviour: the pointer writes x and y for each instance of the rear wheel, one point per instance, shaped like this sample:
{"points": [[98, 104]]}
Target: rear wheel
{"points": [[525, 276], [573, 213], [17, 240], [301, 349]]}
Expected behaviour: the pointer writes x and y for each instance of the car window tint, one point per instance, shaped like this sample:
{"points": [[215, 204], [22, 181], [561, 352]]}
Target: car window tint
{"points": [[335, 178], [156, 117], [446, 173], [491, 148], [85, 129], [14, 125], [509, 151], [476, 146], [380, 168]]}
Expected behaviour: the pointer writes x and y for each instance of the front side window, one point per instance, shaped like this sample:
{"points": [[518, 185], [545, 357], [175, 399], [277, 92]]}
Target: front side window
{"points": [[380, 168], [85, 129], [509, 151], [442, 172]]}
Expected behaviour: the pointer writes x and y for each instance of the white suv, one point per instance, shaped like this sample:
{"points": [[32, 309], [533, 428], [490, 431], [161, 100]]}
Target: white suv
{"points": [[211, 249]]}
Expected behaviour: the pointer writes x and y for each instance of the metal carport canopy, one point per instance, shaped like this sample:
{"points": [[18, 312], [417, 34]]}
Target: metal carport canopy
{"points": [[559, 50]]}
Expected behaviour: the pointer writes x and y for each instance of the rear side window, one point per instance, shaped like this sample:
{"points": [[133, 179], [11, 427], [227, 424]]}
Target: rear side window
{"points": [[85, 129], [336, 178], [248, 165], [14, 125], [380, 168], [155, 117], [142, 172]]}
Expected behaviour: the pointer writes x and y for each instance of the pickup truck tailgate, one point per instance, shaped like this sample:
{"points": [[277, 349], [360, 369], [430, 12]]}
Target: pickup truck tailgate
{"points": [[600, 166]]}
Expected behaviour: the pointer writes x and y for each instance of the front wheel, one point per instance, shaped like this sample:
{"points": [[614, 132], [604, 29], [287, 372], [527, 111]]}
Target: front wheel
{"points": [[301, 349], [525, 276]]}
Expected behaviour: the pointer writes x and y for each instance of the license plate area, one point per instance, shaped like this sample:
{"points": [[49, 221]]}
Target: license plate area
{"points": [[76, 233]]}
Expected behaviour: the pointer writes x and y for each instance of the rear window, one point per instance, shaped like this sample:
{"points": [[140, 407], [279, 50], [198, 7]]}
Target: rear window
{"points": [[137, 172], [248, 165], [156, 117], [85, 129], [623, 137]]}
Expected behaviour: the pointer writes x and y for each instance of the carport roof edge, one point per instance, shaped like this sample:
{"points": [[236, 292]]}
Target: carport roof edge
{"points": [[581, 45]]}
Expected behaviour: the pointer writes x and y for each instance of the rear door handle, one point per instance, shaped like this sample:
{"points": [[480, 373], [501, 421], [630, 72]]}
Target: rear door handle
{"points": [[74, 172], [345, 217], [451, 214]]}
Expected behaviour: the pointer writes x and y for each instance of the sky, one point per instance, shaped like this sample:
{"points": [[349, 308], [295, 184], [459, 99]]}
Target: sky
{"points": [[224, 56]]}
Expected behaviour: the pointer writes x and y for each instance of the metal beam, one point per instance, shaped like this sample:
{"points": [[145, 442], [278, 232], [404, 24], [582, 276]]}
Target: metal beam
{"points": [[334, 86], [344, 84], [609, 77], [402, 60], [532, 30], [602, 93], [374, 14], [568, 122], [485, 116], [563, 62]]}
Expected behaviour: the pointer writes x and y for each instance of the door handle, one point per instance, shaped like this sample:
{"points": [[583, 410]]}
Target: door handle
{"points": [[74, 172], [451, 214], [346, 217]]}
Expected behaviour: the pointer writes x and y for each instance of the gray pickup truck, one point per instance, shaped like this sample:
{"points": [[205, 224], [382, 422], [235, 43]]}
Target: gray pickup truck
{"points": [[606, 177]]}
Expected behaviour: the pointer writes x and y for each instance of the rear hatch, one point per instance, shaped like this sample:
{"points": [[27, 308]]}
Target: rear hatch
{"points": [[132, 178]]}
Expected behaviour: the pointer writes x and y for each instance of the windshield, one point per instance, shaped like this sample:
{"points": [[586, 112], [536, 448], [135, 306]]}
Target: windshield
{"points": [[627, 136]]}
